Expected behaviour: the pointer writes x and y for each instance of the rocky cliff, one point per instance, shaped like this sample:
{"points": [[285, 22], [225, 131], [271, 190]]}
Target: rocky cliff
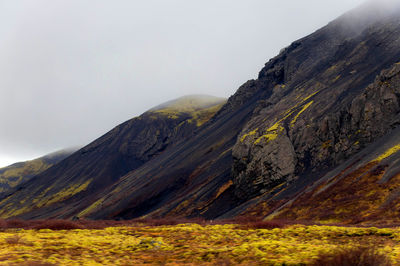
{"points": [[321, 109]]}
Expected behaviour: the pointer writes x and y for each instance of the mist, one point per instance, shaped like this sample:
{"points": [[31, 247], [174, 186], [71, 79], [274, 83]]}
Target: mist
{"points": [[72, 70]]}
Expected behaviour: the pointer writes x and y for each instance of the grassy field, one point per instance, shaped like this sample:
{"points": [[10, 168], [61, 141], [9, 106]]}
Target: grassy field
{"points": [[189, 244]]}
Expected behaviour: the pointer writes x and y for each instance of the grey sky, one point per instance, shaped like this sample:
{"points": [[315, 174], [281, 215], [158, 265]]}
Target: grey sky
{"points": [[70, 70]]}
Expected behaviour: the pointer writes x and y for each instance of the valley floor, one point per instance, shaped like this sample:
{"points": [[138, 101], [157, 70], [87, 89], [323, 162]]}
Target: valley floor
{"points": [[191, 244]]}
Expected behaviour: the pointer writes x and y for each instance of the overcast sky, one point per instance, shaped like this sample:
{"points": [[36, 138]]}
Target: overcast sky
{"points": [[70, 70]]}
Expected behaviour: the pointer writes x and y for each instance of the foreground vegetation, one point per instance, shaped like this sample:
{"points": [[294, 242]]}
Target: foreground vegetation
{"points": [[261, 243]]}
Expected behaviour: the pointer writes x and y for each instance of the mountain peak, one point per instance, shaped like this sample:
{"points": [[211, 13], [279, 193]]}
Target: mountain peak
{"points": [[190, 103]]}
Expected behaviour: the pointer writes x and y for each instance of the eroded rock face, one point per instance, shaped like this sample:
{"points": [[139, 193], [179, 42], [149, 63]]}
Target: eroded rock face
{"points": [[268, 166], [323, 105], [303, 141]]}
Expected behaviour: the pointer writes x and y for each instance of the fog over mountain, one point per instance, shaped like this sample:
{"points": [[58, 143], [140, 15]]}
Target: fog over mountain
{"points": [[71, 70]]}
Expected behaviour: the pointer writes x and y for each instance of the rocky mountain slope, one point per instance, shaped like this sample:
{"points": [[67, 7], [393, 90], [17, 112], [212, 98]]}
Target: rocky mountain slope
{"points": [[90, 170], [280, 146], [18, 173]]}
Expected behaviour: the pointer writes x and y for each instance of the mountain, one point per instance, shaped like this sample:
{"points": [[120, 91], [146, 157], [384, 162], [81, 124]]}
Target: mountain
{"points": [[89, 171], [18, 173], [313, 137]]}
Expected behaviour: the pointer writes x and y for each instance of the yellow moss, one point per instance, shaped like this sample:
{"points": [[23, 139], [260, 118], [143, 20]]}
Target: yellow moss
{"points": [[203, 115], [309, 96], [388, 153], [336, 78], [200, 108], [272, 132], [171, 114], [4, 200], [189, 244], [16, 212], [332, 68], [198, 115], [251, 133], [13, 176], [91, 208], [305, 107], [64, 194], [225, 152]]}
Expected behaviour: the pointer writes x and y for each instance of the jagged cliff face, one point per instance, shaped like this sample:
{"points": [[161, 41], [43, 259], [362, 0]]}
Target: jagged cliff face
{"points": [[365, 188], [362, 189], [321, 109]]}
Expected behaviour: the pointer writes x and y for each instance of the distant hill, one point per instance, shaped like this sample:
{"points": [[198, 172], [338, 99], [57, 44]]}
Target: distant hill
{"points": [[15, 174]]}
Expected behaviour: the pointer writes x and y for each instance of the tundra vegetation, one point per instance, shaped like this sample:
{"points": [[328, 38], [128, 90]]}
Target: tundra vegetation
{"points": [[163, 242]]}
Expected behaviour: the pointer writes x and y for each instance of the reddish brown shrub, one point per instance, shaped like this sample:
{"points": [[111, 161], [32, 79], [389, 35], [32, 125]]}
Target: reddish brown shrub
{"points": [[100, 224], [246, 219], [253, 222], [266, 225], [167, 221], [57, 225], [90, 224], [17, 223], [3, 224], [237, 220], [362, 256]]}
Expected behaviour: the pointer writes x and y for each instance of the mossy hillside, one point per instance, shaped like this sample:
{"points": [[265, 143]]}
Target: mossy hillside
{"points": [[12, 176], [189, 103], [44, 199], [199, 108]]}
